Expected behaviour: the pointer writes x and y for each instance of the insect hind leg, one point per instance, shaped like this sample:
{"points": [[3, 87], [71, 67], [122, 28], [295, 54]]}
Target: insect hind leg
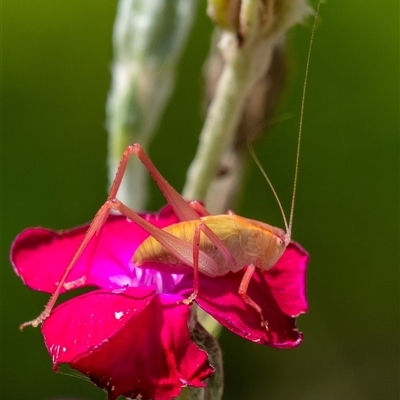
{"points": [[181, 208]]}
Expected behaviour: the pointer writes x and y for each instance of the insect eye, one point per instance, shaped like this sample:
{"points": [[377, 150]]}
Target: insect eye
{"points": [[279, 241]]}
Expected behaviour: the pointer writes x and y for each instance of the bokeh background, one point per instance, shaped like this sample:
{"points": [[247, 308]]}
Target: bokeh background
{"points": [[56, 74]]}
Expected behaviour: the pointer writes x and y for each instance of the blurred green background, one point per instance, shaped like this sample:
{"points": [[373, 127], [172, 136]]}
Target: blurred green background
{"points": [[56, 74]]}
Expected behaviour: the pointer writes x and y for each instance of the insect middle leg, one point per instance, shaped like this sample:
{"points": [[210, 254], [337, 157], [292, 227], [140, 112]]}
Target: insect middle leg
{"points": [[206, 264]]}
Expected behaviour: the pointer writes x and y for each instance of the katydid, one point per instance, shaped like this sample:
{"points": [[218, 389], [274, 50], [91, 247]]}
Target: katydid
{"points": [[200, 243]]}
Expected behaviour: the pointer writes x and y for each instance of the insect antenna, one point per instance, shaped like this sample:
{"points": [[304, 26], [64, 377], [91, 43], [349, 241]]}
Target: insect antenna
{"points": [[257, 161], [303, 97], [288, 226]]}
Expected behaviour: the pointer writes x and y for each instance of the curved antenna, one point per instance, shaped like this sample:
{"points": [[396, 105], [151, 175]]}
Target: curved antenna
{"points": [[296, 170], [257, 161]]}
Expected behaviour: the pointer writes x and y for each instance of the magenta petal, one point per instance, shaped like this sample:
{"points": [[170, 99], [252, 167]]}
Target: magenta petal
{"points": [[87, 321], [128, 342], [287, 280], [40, 256], [219, 297]]}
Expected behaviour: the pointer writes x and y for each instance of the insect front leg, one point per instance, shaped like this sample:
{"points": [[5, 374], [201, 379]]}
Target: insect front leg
{"points": [[244, 284]]}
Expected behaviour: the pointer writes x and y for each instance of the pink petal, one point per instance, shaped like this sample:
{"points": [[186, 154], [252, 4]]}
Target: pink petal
{"points": [[219, 297], [40, 256], [129, 342], [287, 280], [89, 320]]}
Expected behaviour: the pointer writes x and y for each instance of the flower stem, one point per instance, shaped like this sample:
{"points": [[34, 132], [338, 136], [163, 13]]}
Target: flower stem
{"points": [[220, 126]]}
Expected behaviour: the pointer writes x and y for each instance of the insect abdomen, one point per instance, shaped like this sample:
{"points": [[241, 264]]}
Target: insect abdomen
{"points": [[151, 251]]}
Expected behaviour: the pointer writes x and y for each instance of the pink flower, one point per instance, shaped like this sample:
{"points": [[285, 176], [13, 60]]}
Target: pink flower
{"points": [[130, 335]]}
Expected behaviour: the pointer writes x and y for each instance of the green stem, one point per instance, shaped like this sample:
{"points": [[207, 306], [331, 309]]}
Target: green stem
{"points": [[223, 117]]}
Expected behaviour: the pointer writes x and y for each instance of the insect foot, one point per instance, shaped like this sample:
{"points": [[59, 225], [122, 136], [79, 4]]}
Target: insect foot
{"points": [[75, 283], [190, 299], [35, 322], [265, 324]]}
